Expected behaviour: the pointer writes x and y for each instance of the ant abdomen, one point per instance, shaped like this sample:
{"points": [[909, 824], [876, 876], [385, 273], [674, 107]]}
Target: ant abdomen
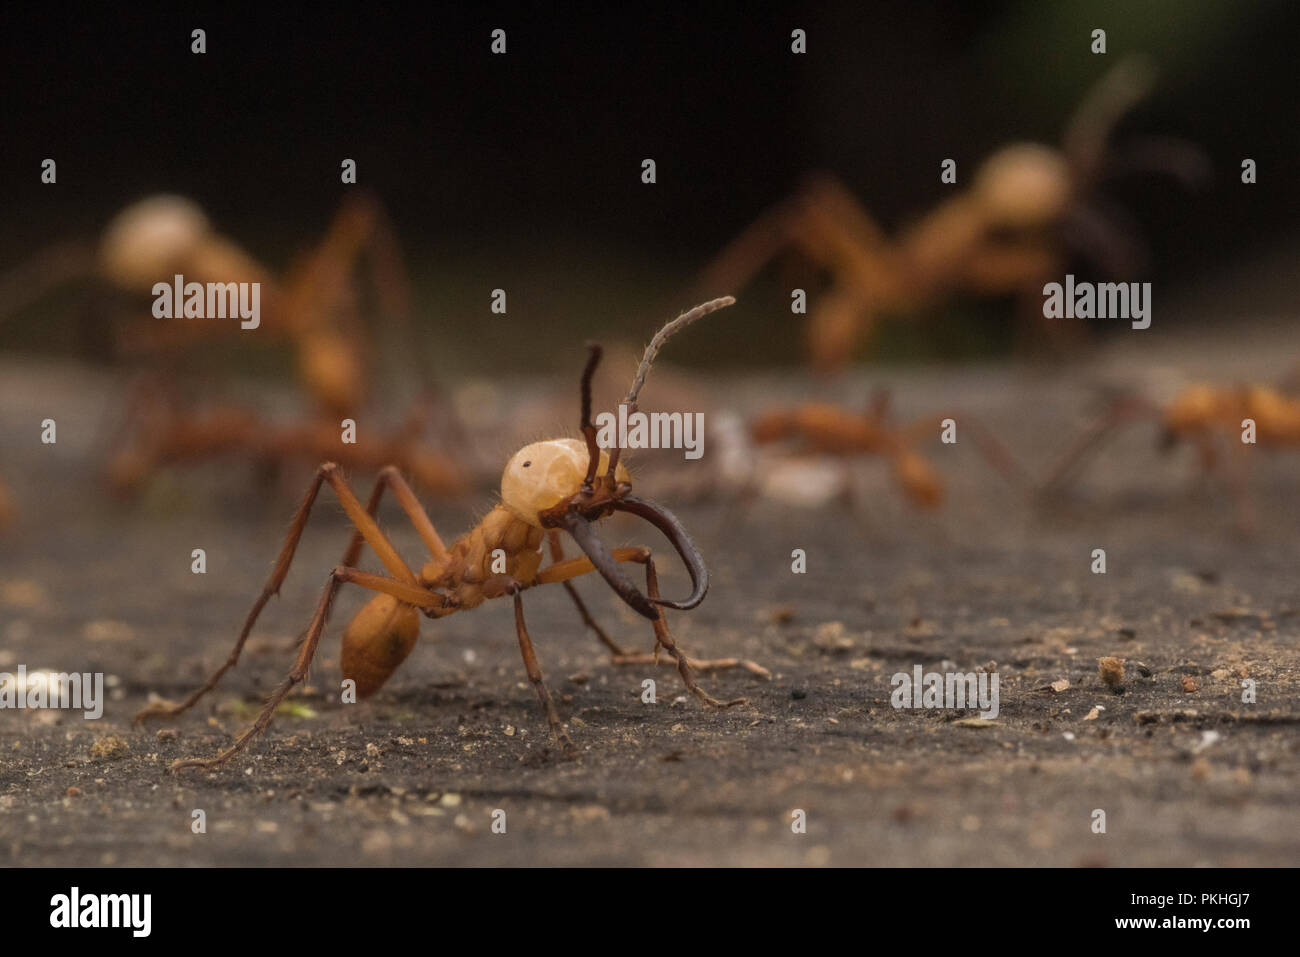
{"points": [[377, 641]]}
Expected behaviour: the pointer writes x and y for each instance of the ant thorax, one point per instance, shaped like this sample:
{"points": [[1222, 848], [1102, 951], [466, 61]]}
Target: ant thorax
{"points": [[502, 544], [544, 474]]}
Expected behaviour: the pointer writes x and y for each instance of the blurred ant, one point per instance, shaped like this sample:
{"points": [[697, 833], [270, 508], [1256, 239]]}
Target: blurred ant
{"points": [[1206, 416], [1028, 209], [315, 309], [553, 486], [829, 431]]}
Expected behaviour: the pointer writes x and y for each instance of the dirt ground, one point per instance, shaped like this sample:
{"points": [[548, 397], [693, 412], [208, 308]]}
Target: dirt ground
{"points": [[415, 775]]}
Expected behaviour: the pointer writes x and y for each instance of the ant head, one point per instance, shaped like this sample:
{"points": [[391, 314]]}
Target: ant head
{"points": [[1024, 186], [549, 479], [552, 484], [145, 241], [546, 474]]}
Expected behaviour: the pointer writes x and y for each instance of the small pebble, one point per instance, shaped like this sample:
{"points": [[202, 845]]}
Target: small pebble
{"points": [[1111, 671]]}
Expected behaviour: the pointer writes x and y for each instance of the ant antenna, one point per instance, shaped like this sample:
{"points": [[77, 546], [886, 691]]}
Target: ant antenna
{"points": [[666, 333], [652, 351], [589, 430]]}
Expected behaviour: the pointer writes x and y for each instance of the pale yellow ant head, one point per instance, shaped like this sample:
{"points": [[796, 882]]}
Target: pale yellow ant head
{"points": [[144, 242], [1023, 186], [555, 485], [542, 475]]}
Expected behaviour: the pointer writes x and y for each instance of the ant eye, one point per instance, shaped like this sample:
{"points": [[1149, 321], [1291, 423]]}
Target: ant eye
{"points": [[526, 464]]}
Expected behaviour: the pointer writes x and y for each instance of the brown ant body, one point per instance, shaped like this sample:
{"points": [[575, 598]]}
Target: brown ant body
{"points": [[1207, 417], [834, 431], [549, 487], [1028, 208], [314, 309], [825, 429]]}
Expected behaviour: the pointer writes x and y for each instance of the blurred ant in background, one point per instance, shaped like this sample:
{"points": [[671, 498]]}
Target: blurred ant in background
{"points": [[315, 309], [816, 445], [1214, 419], [1028, 210]]}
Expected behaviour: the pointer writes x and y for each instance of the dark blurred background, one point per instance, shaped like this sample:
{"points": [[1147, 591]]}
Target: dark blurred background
{"points": [[523, 171]]}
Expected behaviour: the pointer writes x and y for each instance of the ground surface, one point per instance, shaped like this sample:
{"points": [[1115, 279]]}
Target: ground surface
{"points": [[414, 775]]}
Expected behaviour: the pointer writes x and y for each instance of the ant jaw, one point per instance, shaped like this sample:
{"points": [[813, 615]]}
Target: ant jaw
{"points": [[576, 514], [581, 531], [590, 504], [594, 499], [598, 496], [672, 529]]}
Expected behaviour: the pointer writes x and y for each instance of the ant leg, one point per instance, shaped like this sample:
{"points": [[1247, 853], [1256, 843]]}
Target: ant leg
{"points": [[391, 477], [318, 439], [366, 527], [386, 268], [698, 664], [665, 638], [535, 676], [839, 323], [1121, 412], [1239, 470], [993, 450], [195, 436], [829, 226], [574, 567], [749, 252], [401, 590], [836, 231], [139, 436], [387, 276], [851, 500], [557, 556]]}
